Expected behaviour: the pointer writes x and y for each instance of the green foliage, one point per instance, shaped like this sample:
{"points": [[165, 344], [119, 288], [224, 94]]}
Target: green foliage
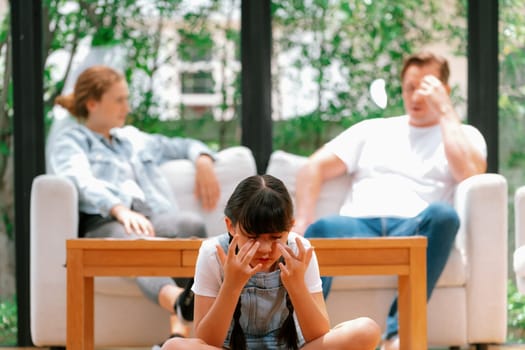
{"points": [[7, 224], [345, 45], [512, 103], [196, 42], [512, 60], [304, 134], [8, 321], [367, 41], [205, 127], [516, 314]]}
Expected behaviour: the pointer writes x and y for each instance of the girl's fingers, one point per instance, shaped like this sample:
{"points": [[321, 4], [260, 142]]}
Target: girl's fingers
{"points": [[301, 249], [245, 253], [284, 269], [305, 254], [233, 245], [256, 269], [250, 253], [286, 251], [250, 247], [308, 255]]}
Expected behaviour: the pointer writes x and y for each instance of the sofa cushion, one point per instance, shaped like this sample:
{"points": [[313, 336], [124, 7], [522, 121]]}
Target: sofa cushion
{"points": [[285, 166]]}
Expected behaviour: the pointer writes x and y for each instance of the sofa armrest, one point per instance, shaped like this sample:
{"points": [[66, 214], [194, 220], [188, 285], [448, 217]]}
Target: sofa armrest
{"points": [[519, 235], [519, 216], [481, 202], [54, 218], [285, 166]]}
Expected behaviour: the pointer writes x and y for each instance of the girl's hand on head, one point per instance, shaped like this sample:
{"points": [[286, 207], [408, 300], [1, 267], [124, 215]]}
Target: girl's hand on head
{"points": [[237, 268], [292, 272]]}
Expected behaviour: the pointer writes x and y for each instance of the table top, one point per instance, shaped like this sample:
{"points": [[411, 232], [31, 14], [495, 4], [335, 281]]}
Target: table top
{"points": [[188, 243]]}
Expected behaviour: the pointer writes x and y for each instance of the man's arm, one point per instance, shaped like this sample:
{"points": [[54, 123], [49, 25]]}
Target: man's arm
{"points": [[464, 158], [321, 166]]}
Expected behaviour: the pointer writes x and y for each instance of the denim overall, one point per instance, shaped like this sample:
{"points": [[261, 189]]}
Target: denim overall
{"points": [[263, 310]]}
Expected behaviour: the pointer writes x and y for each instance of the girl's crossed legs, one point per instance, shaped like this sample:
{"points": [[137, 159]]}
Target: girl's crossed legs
{"points": [[358, 334]]}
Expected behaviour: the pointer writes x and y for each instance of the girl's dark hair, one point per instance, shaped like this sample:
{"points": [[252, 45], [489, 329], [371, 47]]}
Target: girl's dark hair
{"points": [[261, 204], [92, 83]]}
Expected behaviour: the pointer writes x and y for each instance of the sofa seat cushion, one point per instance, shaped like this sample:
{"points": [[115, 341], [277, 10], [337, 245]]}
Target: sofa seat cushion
{"points": [[285, 166], [454, 275]]}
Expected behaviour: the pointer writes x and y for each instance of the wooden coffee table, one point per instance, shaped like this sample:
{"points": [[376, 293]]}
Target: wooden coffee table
{"points": [[88, 258]]}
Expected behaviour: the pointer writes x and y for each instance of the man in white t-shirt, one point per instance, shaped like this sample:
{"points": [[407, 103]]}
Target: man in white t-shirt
{"points": [[405, 170]]}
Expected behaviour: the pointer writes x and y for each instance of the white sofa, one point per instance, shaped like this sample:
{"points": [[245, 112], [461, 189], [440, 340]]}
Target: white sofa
{"points": [[519, 252], [468, 306], [123, 317]]}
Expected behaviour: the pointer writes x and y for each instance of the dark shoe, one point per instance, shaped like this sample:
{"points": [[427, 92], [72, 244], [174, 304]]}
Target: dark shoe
{"points": [[182, 281], [159, 346], [184, 303]]}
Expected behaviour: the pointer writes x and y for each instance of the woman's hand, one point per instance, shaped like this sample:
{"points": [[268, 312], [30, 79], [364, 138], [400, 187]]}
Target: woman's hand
{"points": [[207, 189], [134, 222], [237, 268], [292, 272]]}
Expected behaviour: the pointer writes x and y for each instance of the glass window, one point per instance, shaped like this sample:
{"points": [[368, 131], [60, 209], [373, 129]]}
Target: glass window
{"points": [[197, 83]]}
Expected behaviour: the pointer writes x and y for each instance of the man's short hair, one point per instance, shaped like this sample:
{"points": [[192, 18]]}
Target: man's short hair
{"points": [[427, 58]]}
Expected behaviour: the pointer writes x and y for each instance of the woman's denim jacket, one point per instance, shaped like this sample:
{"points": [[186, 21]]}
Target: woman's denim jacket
{"points": [[97, 166]]}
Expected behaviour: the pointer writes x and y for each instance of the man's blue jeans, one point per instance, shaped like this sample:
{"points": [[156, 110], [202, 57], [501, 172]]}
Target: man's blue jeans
{"points": [[439, 222]]}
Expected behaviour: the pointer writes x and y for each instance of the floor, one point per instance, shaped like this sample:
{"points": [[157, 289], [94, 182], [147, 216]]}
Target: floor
{"points": [[495, 347]]}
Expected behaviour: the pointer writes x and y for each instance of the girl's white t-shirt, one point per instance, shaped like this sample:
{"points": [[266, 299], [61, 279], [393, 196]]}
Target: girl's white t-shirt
{"points": [[397, 169], [209, 274]]}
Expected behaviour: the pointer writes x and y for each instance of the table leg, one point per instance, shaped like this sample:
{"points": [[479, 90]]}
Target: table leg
{"points": [[75, 336], [89, 313], [412, 303], [418, 287], [403, 312]]}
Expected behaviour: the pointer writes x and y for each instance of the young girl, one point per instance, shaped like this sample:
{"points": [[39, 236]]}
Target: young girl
{"points": [[258, 286]]}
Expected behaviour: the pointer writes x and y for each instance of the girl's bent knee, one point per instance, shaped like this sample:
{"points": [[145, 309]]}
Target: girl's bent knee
{"points": [[174, 343], [369, 332]]}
